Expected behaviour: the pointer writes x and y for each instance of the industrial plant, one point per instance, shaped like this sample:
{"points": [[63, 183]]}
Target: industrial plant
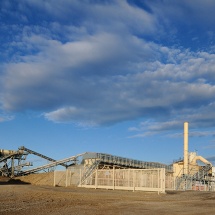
{"points": [[99, 170]]}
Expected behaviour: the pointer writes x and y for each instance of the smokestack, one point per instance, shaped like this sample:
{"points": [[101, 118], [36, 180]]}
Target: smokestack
{"points": [[186, 167]]}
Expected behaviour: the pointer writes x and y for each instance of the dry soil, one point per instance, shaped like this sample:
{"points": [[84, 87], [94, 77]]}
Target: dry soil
{"points": [[42, 199]]}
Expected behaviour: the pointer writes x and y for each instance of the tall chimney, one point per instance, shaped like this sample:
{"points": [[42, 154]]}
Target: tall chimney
{"points": [[186, 167]]}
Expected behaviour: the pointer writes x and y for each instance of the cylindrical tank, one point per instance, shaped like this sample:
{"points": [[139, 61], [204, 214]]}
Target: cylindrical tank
{"points": [[4, 152], [192, 156]]}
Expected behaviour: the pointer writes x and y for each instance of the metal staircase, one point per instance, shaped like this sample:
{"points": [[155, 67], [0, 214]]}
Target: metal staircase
{"points": [[89, 171], [200, 175], [186, 182], [101, 160]]}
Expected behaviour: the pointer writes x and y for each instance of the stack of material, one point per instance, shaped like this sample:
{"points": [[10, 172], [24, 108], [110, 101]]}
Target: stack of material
{"points": [[38, 178], [4, 179]]}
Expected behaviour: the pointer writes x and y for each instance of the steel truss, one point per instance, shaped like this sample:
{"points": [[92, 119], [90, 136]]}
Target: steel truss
{"points": [[93, 161], [13, 162], [201, 180]]}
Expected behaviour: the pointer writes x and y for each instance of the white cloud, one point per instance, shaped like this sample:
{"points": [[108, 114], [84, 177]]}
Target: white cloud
{"points": [[5, 117], [88, 76], [193, 12], [97, 66]]}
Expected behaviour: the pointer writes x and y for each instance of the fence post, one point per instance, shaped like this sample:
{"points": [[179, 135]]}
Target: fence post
{"points": [[163, 180], [159, 178], [66, 177], [54, 178], [96, 178], [134, 180], [80, 183], [129, 177], [113, 177]]}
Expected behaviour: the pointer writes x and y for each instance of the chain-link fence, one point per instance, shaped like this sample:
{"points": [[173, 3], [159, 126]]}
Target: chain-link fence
{"points": [[127, 179]]}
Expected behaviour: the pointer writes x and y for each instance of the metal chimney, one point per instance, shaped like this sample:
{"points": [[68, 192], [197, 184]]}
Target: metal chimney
{"points": [[186, 167]]}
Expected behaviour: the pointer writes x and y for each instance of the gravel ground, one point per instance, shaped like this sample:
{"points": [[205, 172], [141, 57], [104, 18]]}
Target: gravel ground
{"points": [[42, 199]]}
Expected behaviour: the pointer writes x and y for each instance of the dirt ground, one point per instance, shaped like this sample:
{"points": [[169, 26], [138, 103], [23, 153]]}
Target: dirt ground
{"points": [[42, 199]]}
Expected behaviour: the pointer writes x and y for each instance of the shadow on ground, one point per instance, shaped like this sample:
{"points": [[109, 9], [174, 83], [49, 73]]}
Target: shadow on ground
{"points": [[9, 181]]}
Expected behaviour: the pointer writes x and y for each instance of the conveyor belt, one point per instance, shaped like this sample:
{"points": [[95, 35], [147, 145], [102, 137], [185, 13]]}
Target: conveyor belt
{"points": [[40, 155], [73, 158], [125, 162]]}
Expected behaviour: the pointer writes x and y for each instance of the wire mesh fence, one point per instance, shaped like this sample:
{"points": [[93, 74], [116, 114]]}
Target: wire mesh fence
{"points": [[127, 179], [130, 179], [69, 177]]}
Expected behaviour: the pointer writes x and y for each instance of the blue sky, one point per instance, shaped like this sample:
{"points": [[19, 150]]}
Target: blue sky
{"points": [[111, 76]]}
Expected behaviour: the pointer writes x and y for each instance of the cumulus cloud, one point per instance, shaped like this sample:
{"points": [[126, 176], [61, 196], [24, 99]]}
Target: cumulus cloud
{"points": [[98, 67]]}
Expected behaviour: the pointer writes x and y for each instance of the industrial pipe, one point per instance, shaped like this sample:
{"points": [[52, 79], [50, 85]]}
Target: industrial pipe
{"points": [[201, 159], [7, 152]]}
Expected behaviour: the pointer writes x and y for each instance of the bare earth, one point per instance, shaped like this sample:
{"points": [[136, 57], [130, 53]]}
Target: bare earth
{"points": [[41, 199]]}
